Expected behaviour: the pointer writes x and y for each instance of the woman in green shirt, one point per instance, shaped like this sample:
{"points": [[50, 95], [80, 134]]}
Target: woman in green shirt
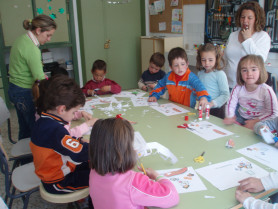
{"points": [[26, 67]]}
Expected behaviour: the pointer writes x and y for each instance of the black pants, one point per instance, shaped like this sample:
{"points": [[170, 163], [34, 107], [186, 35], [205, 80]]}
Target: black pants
{"points": [[79, 179]]}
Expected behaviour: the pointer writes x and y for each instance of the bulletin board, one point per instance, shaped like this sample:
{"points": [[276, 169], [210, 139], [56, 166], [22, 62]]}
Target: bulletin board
{"points": [[165, 17]]}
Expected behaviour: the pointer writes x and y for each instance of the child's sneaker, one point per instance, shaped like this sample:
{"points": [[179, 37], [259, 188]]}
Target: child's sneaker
{"points": [[268, 137]]}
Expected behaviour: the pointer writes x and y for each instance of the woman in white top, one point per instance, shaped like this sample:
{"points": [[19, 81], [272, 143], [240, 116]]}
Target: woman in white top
{"points": [[250, 39]]}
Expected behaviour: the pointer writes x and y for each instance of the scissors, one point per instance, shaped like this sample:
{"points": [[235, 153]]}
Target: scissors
{"points": [[185, 126], [200, 159]]}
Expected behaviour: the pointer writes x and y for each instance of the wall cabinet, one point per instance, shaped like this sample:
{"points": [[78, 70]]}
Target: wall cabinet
{"points": [[150, 45], [12, 14]]}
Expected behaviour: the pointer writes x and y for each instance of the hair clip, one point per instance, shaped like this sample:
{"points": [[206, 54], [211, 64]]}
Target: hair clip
{"points": [[30, 21]]}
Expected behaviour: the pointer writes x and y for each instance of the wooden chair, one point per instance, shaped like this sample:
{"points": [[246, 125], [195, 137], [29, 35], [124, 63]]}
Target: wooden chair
{"points": [[22, 179]]}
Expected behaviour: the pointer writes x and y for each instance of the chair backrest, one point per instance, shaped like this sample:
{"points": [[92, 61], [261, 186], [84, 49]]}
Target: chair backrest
{"points": [[4, 168], [5, 115], [4, 111]]}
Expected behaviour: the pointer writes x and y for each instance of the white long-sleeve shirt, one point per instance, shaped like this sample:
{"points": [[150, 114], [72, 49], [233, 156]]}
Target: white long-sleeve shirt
{"points": [[258, 44], [261, 103], [269, 182]]}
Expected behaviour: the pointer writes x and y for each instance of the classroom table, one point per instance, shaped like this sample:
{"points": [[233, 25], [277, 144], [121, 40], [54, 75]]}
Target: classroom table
{"points": [[156, 127]]}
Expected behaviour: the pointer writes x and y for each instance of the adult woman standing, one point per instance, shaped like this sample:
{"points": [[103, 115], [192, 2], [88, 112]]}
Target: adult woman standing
{"points": [[250, 39], [26, 67]]}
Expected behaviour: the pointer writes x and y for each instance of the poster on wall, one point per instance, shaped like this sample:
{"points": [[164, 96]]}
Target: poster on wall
{"points": [[176, 21]]}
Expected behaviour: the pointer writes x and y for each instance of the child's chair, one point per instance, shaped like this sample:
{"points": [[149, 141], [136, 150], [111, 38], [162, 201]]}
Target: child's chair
{"points": [[64, 198], [22, 178], [21, 149]]}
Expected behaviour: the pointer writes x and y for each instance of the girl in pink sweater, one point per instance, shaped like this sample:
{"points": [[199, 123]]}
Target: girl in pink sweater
{"points": [[112, 182]]}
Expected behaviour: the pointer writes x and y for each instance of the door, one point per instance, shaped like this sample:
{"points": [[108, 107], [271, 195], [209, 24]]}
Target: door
{"points": [[121, 24]]}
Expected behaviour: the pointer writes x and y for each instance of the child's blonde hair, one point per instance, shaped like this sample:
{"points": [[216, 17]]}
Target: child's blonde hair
{"points": [[208, 47], [256, 60]]}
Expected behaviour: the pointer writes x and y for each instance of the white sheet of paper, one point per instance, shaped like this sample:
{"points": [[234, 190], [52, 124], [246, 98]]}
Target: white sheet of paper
{"points": [[158, 6], [162, 26], [140, 101], [262, 153], [99, 100], [129, 94], [174, 3], [185, 182], [163, 4], [227, 174], [207, 130], [152, 10], [170, 109]]}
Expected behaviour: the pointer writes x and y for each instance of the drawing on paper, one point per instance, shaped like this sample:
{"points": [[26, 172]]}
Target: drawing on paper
{"points": [[263, 153], [169, 109], [207, 130], [185, 179], [227, 174]]}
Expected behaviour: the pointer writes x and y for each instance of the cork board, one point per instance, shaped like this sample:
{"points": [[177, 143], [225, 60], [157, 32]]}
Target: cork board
{"points": [[165, 17]]}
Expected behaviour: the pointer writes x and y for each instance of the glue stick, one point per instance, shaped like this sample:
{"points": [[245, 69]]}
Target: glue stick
{"points": [[207, 112], [200, 115]]}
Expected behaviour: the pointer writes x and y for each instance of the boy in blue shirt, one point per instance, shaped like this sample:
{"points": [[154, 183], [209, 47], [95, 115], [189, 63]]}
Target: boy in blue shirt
{"points": [[153, 74]]}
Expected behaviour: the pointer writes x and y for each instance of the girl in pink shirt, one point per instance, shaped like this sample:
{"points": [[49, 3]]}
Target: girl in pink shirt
{"points": [[112, 181], [251, 99]]}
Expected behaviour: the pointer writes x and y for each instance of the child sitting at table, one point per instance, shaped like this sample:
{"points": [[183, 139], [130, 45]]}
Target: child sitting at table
{"points": [[60, 160], [256, 185], [267, 129], [209, 63], [183, 86], [113, 182], [251, 99], [100, 85], [39, 89], [153, 74]]}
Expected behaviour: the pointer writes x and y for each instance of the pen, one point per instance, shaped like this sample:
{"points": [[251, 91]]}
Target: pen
{"points": [[143, 169]]}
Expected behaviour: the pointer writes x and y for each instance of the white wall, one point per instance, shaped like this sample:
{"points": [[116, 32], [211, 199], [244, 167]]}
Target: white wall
{"points": [[193, 27]]}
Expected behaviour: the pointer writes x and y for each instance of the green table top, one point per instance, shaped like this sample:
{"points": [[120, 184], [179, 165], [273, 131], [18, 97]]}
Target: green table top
{"points": [[156, 127]]}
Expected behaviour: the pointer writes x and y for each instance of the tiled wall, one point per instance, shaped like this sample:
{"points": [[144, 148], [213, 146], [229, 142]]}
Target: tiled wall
{"points": [[193, 25]]}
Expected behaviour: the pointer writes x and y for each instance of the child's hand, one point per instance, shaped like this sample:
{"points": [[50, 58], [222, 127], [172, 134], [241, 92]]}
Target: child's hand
{"points": [[145, 88], [86, 115], [250, 123], [241, 195], [151, 173], [229, 121], [152, 85], [203, 102], [211, 104], [152, 99], [91, 122], [251, 185], [105, 88], [85, 140], [91, 92]]}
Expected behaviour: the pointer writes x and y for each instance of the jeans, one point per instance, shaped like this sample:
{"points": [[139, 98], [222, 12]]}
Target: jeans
{"points": [[23, 101], [239, 118]]}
